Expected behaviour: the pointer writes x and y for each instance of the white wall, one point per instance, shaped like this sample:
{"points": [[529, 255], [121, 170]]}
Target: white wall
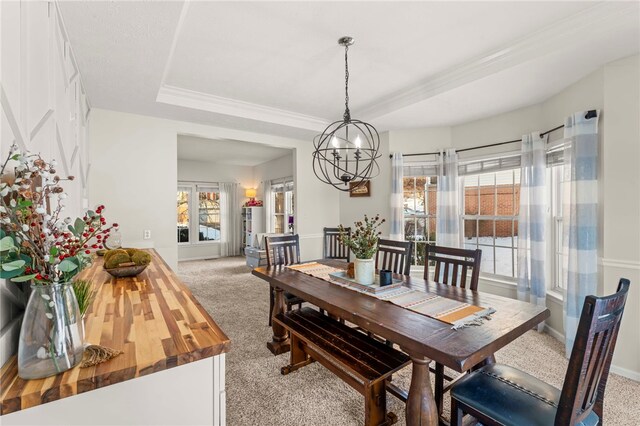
{"points": [[615, 90], [203, 171], [44, 110], [264, 173], [621, 200], [352, 209], [134, 169], [145, 148]]}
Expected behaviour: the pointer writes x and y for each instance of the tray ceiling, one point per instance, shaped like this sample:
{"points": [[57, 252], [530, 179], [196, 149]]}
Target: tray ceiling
{"points": [[275, 67]]}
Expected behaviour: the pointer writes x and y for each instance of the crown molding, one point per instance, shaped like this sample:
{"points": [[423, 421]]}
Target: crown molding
{"points": [[203, 101], [177, 96], [602, 17]]}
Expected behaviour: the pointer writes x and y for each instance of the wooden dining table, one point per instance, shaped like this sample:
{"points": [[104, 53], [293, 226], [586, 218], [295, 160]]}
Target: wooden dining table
{"points": [[423, 338]]}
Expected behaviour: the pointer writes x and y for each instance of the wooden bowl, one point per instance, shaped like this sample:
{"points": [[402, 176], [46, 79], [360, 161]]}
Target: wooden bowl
{"points": [[126, 271]]}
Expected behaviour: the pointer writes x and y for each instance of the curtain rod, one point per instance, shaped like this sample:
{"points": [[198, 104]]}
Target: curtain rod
{"points": [[590, 114]]}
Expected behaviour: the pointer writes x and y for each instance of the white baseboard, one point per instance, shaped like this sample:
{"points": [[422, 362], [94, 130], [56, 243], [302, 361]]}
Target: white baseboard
{"points": [[554, 333], [629, 374], [188, 259]]}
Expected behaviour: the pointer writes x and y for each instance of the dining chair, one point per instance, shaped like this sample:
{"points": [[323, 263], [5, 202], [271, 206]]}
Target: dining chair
{"points": [[332, 247], [451, 267], [282, 251], [394, 256], [502, 395]]}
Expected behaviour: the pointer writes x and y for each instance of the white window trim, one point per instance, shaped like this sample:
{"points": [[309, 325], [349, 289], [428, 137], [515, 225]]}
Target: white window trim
{"points": [[427, 218], [275, 186], [194, 213], [493, 218]]}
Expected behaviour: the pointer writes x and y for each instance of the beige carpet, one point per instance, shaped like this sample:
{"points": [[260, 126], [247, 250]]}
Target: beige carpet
{"points": [[258, 394]]}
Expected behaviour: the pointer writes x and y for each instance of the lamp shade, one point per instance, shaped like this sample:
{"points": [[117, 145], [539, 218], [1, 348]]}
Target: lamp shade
{"points": [[250, 192]]}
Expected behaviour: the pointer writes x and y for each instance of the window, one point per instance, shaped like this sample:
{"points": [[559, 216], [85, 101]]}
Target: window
{"points": [[184, 194], [209, 216], [555, 178], [490, 219], [420, 195], [282, 205], [490, 206], [202, 202]]}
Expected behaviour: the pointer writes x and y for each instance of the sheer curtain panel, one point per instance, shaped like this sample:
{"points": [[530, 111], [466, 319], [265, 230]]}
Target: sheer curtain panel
{"points": [[397, 201], [531, 222], [580, 217], [266, 192], [230, 220]]}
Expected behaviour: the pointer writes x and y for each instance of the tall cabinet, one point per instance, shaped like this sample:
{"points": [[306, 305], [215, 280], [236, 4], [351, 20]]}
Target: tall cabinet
{"points": [[252, 224]]}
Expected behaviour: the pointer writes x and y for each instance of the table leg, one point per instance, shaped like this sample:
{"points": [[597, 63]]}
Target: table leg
{"points": [[279, 343], [421, 406], [487, 361]]}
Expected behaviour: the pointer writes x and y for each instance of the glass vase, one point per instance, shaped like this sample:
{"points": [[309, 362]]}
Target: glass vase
{"points": [[52, 335]]}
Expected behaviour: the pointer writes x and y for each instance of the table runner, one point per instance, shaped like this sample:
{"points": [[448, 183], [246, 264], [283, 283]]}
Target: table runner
{"points": [[458, 314]]}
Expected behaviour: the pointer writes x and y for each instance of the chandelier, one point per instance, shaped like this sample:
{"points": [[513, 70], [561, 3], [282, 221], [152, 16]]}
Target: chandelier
{"points": [[347, 150]]}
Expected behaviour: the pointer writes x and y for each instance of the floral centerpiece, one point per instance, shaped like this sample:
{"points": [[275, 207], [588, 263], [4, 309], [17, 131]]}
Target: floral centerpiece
{"points": [[40, 245], [363, 242]]}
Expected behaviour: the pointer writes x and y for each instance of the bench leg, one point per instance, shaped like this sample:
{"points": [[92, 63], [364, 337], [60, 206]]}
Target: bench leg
{"points": [[279, 343], [375, 405], [298, 359]]}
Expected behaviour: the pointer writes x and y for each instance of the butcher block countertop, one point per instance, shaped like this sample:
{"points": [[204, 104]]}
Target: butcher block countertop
{"points": [[153, 318]]}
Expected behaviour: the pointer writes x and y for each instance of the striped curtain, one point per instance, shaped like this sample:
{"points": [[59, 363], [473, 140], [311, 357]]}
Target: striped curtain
{"points": [[580, 217], [531, 222], [397, 201], [448, 201]]}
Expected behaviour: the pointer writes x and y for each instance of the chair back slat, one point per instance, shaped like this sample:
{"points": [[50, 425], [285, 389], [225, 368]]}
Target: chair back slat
{"points": [[456, 260], [394, 256], [283, 250], [586, 379], [463, 277], [332, 247]]}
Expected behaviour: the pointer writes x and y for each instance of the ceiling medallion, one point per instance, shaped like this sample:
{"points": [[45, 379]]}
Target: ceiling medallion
{"points": [[347, 150]]}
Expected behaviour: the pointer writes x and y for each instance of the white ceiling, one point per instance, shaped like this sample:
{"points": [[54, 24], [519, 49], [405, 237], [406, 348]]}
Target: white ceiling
{"points": [[275, 67], [225, 151]]}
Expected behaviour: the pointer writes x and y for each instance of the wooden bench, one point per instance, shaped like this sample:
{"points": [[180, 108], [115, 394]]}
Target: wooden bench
{"points": [[361, 361]]}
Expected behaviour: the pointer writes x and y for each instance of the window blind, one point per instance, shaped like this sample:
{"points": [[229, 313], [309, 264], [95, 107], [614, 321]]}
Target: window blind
{"points": [[508, 161], [208, 188], [420, 169], [282, 184]]}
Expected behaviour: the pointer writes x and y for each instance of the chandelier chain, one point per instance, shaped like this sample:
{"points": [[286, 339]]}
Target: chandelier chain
{"points": [[345, 153], [347, 113]]}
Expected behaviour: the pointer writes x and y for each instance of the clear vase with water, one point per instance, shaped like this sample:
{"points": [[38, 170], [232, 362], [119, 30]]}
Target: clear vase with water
{"points": [[52, 335]]}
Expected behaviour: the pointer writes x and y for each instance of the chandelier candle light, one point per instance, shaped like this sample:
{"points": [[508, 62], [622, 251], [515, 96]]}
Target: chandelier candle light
{"points": [[347, 150]]}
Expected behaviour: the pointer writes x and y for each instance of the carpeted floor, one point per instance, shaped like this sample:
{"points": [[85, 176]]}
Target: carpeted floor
{"points": [[258, 394]]}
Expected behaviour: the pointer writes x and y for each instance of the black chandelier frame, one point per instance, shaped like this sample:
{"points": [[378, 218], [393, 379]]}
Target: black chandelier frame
{"points": [[340, 160]]}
